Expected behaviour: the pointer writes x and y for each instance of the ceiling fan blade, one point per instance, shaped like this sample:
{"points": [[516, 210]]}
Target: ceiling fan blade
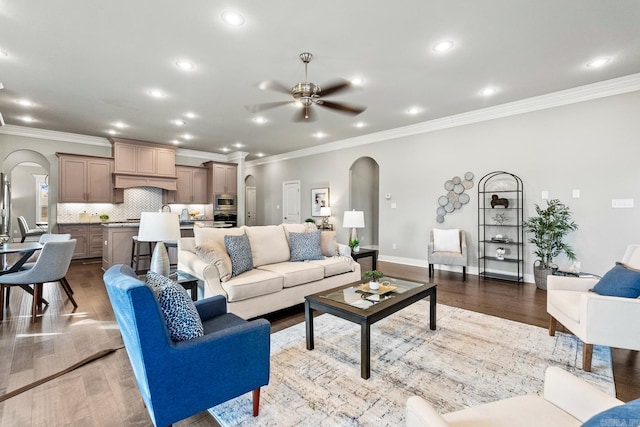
{"points": [[335, 87], [256, 108], [274, 85], [306, 115], [343, 108]]}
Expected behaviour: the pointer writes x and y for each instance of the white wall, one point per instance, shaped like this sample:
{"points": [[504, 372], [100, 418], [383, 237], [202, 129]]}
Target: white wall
{"points": [[591, 146]]}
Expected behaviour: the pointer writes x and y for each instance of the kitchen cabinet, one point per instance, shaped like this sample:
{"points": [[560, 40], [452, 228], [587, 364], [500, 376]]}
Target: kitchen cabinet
{"points": [[191, 186], [223, 178], [143, 158], [86, 179], [88, 239]]}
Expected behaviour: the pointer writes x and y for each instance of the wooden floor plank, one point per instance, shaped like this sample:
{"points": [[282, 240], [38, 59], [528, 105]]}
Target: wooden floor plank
{"points": [[104, 393]]}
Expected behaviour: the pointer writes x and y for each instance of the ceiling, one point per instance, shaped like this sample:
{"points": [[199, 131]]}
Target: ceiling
{"points": [[87, 64]]}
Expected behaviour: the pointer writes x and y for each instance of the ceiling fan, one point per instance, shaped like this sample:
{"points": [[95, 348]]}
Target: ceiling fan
{"points": [[306, 94]]}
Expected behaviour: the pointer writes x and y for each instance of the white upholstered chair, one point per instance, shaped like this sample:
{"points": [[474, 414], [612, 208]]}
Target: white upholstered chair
{"points": [[595, 319], [447, 247], [566, 401]]}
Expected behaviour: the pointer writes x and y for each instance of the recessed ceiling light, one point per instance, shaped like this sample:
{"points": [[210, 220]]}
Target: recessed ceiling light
{"points": [[319, 135], [232, 18], [27, 119], [260, 120], [598, 62], [156, 93], [357, 81], [443, 46], [190, 115], [175, 141], [3, 53], [488, 91], [414, 110], [112, 132], [360, 125], [24, 102], [185, 65], [178, 122], [238, 145], [225, 149], [260, 154], [120, 125], [187, 136]]}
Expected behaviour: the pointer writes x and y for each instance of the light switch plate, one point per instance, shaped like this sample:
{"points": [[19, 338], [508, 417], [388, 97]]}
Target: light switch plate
{"points": [[544, 195], [622, 203], [576, 194], [393, 205]]}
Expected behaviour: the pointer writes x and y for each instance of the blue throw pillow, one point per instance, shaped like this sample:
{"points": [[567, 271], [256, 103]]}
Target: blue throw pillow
{"points": [[305, 246], [180, 314], [239, 250], [623, 415], [620, 281]]}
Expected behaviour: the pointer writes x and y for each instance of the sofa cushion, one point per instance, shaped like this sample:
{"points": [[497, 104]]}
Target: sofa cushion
{"points": [[622, 415], [335, 265], [207, 234], [180, 314], [239, 251], [305, 246], [268, 244], [215, 253], [296, 273], [620, 281], [328, 243], [251, 284]]}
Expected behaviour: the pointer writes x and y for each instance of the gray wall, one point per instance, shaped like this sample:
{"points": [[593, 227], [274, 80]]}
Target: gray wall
{"points": [[591, 146]]}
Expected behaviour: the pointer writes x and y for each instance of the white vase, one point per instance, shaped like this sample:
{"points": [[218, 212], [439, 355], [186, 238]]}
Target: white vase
{"points": [[374, 285]]}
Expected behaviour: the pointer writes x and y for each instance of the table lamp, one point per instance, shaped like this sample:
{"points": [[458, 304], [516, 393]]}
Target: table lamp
{"points": [[325, 211], [353, 219], [159, 227]]}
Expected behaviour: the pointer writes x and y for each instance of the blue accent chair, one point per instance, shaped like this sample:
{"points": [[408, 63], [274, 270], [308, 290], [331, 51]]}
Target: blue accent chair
{"points": [[179, 379]]}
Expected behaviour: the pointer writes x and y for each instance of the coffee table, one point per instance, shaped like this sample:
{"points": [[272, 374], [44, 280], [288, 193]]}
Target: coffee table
{"points": [[350, 304]]}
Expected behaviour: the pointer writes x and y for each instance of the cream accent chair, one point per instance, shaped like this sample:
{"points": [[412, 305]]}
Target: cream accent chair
{"points": [[567, 401], [595, 319], [447, 247]]}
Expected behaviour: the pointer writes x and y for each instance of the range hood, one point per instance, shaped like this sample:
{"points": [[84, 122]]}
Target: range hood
{"points": [[143, 164]]}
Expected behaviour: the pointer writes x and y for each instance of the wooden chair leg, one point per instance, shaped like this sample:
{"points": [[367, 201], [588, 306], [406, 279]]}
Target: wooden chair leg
{"points": [[8, 295], [553, 324], [587, 355], [256, 402], [34, 305], [464, 274], [68, 291], [2, 289]]}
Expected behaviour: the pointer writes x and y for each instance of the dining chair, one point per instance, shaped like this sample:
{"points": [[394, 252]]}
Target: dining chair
{"points": [[25, 231], [51, 266]]}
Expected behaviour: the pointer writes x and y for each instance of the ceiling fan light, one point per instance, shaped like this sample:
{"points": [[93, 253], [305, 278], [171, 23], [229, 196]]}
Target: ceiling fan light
{"points": [[598, 62]]}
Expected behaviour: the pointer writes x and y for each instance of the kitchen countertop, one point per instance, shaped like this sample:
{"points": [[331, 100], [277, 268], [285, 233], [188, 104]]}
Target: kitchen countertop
{"points": [[184, 225]]}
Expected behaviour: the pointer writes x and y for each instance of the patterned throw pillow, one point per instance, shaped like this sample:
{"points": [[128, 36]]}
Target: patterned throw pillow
{"points": [[239, 250], [179, 312], [305, 246]]}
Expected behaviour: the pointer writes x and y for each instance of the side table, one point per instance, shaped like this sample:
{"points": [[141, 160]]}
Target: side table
{"points": [[363, 253], [188, 282]]}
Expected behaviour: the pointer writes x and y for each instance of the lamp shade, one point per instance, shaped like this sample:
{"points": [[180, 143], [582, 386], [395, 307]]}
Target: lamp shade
{"points": [[353, 219], [325, 211], [159, 227]]}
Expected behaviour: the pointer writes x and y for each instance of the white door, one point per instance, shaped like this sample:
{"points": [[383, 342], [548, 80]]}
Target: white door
{"points": [[252, 216], [291, 202]]}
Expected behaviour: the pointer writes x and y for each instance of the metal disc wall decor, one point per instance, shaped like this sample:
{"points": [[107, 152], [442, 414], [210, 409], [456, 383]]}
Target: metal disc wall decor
{"points": [[455, 197]]}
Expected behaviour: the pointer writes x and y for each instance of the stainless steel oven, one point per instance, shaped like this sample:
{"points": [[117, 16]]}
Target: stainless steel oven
{"points": [[224, 202]]}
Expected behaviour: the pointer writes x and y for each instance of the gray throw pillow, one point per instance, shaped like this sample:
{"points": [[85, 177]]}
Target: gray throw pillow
{"points": [[239, 250], [180, 314], [305, 246]]}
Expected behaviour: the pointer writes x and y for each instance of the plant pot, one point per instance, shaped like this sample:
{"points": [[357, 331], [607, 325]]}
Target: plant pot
{"points": [[540, 274], [374, 285]]}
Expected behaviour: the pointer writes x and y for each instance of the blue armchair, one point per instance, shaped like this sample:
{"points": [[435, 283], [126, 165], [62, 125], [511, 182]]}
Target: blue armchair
{"points": [[180, 379]]}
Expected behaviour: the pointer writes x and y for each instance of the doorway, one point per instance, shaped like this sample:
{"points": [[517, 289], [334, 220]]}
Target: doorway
{"points": [[251, 210], [364, 183]]}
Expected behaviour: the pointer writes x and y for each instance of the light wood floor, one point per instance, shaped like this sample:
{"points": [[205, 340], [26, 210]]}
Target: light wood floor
{"points": [[104, 393]]}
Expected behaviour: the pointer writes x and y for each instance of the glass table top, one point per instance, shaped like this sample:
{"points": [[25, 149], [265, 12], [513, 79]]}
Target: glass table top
{"points": [[364, 300]]}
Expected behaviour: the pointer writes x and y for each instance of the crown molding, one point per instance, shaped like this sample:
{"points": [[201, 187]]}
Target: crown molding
{"points": [[54, 135], [603, 89], [202, 155]]}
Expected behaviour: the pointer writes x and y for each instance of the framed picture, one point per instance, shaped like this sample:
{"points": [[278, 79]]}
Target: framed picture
{"points": [[319, 199]]}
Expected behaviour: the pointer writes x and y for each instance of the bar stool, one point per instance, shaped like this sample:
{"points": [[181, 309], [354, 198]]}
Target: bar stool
{"points": [[136, 256]]}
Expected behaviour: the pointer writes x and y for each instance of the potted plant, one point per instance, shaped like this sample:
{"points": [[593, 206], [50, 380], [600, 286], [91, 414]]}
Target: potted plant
{"points": [[354, 244], [548, 231], [104, 217], [373, 276], [310, 220]]}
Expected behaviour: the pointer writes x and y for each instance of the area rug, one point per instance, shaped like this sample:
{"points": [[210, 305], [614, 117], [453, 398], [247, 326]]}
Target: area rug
{"points": [[470, 359]]}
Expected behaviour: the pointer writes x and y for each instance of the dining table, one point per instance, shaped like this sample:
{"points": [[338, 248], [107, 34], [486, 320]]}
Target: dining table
{"points": [[24, 250]]}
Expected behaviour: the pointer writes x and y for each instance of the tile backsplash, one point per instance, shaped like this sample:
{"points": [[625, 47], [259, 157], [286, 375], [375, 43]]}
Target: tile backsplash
{"points": [[136, 200]]}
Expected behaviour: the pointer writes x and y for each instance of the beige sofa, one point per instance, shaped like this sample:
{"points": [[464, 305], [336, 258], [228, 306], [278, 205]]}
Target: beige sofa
{"points": [[567, 401], [274, 282]]}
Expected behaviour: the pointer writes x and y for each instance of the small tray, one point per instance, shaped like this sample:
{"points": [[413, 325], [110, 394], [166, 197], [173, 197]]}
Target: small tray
{"points": [[384, 288]]}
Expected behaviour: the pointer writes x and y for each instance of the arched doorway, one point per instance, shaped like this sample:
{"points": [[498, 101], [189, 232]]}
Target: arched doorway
{"points": [[28, 172], [251, 206], [364, 183]]}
